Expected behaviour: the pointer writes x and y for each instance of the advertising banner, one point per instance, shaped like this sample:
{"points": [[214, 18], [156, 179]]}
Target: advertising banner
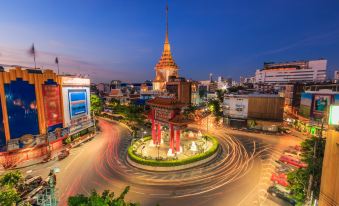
{"points": [[336, 99], [52, 103], [77, 103], [321, 102], [21, 108], [305, 105]]}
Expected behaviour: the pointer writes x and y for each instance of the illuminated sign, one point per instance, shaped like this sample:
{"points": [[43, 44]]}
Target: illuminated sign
{"points": [[162, 114], [334, 115], [77, 103], [52, 103]]}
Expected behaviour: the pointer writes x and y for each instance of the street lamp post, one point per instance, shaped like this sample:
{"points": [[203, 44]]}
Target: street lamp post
{"points": [[94, 124]]}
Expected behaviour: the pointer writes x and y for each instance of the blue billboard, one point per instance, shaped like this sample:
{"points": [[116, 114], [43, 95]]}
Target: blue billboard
{"points": [[2, 129], [336, 99], [21, 108], [77, 103]]}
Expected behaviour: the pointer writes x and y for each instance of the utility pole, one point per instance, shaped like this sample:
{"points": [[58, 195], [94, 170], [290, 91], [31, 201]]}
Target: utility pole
{"points": [[95, 127], [315, 156]]}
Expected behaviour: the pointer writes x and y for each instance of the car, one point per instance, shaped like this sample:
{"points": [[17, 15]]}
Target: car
{"points": [[292, 161], [63, 154], [283, 168], [279, 178], [292, 153], [274, 191]]}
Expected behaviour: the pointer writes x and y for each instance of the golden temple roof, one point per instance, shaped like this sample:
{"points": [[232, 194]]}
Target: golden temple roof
{"points": [[166, 60]]}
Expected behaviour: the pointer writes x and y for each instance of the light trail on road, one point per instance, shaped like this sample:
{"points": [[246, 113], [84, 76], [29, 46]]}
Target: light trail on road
{"points": [[101, 164], [232, 162]]}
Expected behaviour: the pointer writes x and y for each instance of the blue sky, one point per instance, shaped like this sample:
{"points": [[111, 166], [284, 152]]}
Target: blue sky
{"points": [[123, 39]]}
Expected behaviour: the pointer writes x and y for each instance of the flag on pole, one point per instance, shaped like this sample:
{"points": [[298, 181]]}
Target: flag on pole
{"points": [[57, 63], [32, 52]]}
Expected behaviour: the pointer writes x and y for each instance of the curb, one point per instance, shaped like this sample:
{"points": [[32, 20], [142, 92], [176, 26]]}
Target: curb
{"points": [[172, 168]]}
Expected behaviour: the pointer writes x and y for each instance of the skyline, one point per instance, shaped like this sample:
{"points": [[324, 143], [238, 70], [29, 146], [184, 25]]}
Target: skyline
{"points": [[117, 40]]}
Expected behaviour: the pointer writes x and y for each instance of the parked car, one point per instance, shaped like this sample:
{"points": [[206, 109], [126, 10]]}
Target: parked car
{"points": [[293, 153], [280, 194], [280, 179], [63, 154], [292, 161], [283, 168]]}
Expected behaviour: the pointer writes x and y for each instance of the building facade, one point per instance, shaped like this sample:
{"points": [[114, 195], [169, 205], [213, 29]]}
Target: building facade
{"points": [[288, 72], [238, 109], [33, 105], [329, 189]]}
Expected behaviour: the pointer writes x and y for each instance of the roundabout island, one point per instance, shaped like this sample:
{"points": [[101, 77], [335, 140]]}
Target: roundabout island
{"points": [[172, 146], [196, 149]]}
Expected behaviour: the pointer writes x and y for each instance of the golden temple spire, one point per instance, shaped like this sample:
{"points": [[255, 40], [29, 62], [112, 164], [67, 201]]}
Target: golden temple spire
{"points": [[167, 45], [166, 21]]}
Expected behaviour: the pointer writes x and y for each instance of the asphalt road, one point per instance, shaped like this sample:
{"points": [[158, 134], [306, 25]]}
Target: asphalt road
{"points": [[239, 175]]}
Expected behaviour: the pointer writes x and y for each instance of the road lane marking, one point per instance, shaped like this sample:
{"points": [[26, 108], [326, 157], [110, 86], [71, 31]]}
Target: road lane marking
{"points": [[69, 164]]}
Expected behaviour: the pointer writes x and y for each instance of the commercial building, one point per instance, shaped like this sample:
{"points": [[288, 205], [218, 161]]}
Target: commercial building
{"points": [[238, 109], [76, 104], [329, 188], [35, 103], [180, 89], [336, 76], [103, 88], [288, 72], [314, 104]]}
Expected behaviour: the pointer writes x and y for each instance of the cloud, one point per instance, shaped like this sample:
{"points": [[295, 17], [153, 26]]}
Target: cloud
{"points": [[68, 64], [303, 42]]}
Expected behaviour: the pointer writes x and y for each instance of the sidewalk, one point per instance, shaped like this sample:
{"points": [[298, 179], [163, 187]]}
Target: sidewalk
{"points": [[54, 155]]}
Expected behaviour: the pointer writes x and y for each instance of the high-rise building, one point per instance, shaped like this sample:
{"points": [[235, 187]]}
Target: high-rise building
{"points": [[289, 72], [336, 75], [180, 89], [166, 67]]}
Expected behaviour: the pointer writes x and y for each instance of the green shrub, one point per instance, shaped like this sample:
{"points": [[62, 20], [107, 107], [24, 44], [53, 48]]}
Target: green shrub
{"points": [[172, 161]]}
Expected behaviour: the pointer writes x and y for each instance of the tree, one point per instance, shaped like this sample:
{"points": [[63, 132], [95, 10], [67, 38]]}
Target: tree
{"points": [[299, 180], [105, 199], [8, 188], [96, 104], [215, 107], [220, 95], [11, 178], [8, 196], [297, 184]]}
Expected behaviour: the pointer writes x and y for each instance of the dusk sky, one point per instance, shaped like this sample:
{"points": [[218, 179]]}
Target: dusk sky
{"points": [[124, 39]]}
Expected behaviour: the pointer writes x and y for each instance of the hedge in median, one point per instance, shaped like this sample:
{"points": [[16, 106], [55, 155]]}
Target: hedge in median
{"points": [[168, 163]]}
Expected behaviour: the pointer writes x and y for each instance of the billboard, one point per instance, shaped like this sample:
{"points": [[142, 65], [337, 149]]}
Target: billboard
{"points": [[334, 115], [336, 99], [305, 105], [21, 108], [77, 103], [52, 104], [321, 102]]}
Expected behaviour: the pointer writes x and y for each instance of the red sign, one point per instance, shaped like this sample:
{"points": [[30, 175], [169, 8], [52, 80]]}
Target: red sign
{"points": [[52, 103], [163, 114]]}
